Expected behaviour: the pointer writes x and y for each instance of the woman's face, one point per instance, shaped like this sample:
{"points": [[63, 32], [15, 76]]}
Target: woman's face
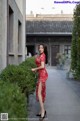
{"points": [[41, 49]]}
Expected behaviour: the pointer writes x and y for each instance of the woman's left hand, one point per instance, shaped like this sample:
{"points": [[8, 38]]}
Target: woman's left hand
{"points": [[33, 69]]}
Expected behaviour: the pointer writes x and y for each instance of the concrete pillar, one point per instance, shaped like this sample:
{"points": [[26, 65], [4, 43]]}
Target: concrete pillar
{"points": [[49, 51], [3, 34], [15, 40], [24, 31]]}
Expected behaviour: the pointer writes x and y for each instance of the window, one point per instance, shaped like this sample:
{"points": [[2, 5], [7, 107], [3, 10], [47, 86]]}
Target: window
{"points": [[10, 49], [67, 49], [19, 37]]}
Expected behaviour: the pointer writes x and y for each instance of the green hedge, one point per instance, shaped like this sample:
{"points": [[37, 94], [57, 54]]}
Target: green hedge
{"points": [[21, 75], [17, 80], [12, 101], [31, 79], [30, 62], [75, 50]]}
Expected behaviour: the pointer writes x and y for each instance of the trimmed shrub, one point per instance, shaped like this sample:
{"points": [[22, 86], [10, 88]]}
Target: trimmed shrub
{"points": [[17, 80], [21, 75], [12, 101], [30, 63], [27, 65]]}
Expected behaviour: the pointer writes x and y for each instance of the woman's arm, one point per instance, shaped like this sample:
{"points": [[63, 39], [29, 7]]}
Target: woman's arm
{"points": [[40, 67]]}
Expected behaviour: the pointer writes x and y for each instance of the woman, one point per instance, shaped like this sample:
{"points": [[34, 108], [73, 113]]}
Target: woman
{"points": [[42, 77]]}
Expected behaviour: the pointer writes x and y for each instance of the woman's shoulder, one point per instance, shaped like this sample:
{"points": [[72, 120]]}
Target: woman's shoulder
{"points": [[42, 57], [43, 54]]}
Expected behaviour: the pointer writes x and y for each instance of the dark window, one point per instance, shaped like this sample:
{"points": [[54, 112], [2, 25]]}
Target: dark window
{"points": [[19, 37], [67, 49], [11, 15]]}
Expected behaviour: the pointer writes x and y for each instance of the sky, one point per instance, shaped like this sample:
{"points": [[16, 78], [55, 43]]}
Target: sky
{"points": [[49, 7]]}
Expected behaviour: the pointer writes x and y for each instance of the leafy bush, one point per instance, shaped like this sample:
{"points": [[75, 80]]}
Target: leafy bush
{"points": [[30, 63], [11, 73], [30, 76], [21, 75], [75, 49], [15, 80], [12, 101]]}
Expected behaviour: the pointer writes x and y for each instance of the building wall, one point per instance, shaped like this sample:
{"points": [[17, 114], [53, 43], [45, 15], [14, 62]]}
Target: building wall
{"points": [[20, 5], [12, 32], [3, 34]]}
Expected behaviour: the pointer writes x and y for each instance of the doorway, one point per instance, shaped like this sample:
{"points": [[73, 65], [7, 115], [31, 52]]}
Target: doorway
{"points": [[31, 49], [54, 51]]}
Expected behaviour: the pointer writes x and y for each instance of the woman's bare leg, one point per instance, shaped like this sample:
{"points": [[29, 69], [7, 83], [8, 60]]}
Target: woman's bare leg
{"points": [[40, 99]]}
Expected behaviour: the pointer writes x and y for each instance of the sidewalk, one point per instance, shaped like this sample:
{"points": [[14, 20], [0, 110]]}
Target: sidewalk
{"points": [[62, 101]]}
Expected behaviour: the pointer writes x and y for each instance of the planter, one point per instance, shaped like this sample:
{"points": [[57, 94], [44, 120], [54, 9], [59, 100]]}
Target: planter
{"points": [[60, 66], [69, 75]]}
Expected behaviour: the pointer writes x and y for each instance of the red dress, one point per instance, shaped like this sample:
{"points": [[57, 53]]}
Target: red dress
{"points": [[42, 76]]}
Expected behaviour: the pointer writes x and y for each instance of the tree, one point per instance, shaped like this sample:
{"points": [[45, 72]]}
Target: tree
{"points": [[75, 48]]}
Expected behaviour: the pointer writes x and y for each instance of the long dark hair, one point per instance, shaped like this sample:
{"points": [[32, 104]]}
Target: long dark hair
{"points": [[45, 51]]}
